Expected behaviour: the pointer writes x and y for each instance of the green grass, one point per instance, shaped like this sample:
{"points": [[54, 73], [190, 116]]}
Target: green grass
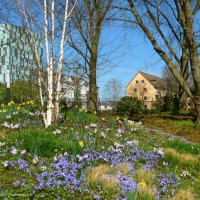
{"points": [[43, 143], [184, 147], [183, 123], [82, 117]]}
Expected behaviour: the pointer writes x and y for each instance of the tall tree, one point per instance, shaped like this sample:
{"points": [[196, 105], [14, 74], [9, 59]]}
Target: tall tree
{"points": [[88, 19], [172, 28]]}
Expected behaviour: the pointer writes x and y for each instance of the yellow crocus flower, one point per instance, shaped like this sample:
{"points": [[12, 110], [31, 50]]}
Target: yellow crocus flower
{"points": [[81, 143], [142, 183]]}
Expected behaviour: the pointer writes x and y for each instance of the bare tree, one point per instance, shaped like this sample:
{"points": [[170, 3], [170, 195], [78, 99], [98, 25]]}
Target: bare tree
{"points": [[113, 90], [32, 14], [172, 28], [89, 19], [172, 84]]}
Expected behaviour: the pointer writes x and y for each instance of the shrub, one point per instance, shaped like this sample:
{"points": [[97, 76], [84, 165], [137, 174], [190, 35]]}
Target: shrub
{"points": [[168, 103], [21, 91], [129, 106]]}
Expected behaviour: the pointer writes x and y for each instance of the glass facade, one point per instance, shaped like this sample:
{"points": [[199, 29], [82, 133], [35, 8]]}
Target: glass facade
{"points": [[16, 52]]}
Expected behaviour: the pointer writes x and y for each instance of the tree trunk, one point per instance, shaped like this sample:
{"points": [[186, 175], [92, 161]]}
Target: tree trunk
{"points": [[92, 98], [197, 106]]}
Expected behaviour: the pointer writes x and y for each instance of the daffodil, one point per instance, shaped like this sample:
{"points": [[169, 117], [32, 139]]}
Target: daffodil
{"points": [[95, 112], [142, 183], [23, 103], [80, 110], [4, 110], [81, 143], [118, 118], [2, 105], [12, 102], [18, 108]]}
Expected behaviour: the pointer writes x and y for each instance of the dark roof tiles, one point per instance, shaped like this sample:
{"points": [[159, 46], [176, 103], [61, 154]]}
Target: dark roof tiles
{"points": [[157, 82]]}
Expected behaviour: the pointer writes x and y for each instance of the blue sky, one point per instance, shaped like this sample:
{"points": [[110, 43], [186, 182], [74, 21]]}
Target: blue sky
{"points": [[134, 53], [137, 55]]}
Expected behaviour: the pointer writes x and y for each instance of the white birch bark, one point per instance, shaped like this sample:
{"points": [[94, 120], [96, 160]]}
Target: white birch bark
{"points": [[59, 67], [48, 112], [49, 66]]}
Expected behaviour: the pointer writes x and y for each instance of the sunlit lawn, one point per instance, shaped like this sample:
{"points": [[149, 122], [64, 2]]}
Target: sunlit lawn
{"points": [[88, 157]]}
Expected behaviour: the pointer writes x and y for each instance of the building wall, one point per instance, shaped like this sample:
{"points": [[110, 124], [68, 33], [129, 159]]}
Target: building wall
{"points": [[71, 90], [15, 52], [144, 91]]}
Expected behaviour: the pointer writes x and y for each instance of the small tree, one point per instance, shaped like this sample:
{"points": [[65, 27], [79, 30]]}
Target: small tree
{"points": [[112, 90], [168, 104]]}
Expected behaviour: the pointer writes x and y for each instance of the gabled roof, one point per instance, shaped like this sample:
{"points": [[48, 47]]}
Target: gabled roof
{"points": [[157, 82]]}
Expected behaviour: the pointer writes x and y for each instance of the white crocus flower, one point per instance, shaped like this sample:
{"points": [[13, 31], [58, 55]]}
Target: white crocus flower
{"points": [[6, 163], [35, 160]]}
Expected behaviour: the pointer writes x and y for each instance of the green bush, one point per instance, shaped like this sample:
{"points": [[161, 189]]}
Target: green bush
{"points": [[21, 91], [168, 104], [129, 106]]}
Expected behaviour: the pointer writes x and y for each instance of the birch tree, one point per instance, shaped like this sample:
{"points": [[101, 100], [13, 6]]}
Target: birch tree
{"points": [[172, 28], [47, 22]]}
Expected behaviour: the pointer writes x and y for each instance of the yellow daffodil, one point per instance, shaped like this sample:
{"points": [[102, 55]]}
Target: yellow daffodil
{"points": [[80, 110], [118, 118], [81, 143], [23, 103], [11, 103], [2, 105], [95, 112], [4, 110], [18, 108], [142, 183]]}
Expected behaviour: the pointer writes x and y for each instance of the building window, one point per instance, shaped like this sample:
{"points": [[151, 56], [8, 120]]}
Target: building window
{"points": [[145, 89], [145, 97], [135, 90], [142, 81], [157, 97], [136, 81]]}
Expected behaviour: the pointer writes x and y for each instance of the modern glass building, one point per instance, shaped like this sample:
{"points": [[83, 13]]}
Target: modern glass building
{"points": [[16, 54]]}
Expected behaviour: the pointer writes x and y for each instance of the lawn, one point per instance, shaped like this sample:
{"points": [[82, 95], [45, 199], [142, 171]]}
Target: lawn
{"points": [[178, 125], [90, 157]]}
